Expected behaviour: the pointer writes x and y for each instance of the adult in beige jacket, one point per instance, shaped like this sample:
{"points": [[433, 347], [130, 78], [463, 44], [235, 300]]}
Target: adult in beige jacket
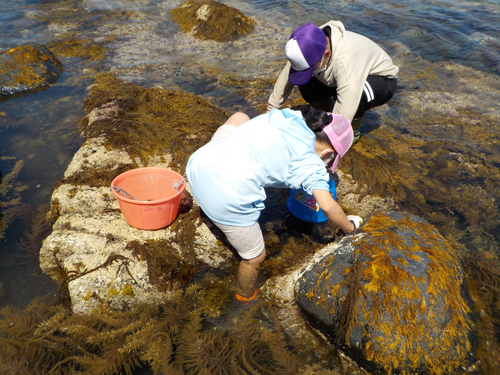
{"points": [[337, 71]]}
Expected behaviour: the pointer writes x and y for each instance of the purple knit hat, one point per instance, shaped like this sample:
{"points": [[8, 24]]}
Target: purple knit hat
{"points": [[304, 49], [340, 134]]}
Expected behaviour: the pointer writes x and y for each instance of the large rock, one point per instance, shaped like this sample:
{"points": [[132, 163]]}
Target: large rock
{"points": [[92, 251], [391, 295], [100, 258], [27, 68]]}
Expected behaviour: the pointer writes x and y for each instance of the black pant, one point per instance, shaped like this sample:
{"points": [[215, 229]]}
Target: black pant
{"points": [[378, 90]]}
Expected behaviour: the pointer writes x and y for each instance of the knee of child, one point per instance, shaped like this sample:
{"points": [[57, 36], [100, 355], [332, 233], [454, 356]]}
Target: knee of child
{"points": [[258, 259], [237, 119]]}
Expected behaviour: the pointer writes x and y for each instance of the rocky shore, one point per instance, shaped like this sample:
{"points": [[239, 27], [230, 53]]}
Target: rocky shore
{"points": [[100, 260]]}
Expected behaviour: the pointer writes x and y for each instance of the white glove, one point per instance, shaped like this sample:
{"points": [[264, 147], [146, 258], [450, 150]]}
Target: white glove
{"points": [[356, 220]]}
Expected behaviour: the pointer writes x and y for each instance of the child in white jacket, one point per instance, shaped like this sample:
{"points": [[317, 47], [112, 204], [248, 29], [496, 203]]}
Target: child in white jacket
{"points": [[228, 175]]}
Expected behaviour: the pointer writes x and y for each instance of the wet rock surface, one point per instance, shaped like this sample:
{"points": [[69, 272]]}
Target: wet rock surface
{"points": [[26, 69], [102, 261], [391, 295], [433, 149]]}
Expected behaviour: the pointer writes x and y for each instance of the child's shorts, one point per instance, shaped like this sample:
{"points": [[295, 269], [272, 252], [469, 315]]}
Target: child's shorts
{"points": [[247, 241]]}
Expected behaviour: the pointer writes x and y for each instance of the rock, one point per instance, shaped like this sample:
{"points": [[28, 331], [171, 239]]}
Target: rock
{"points": [[280, 290], [207, 19], [100, 257], [92, 251], [357, 200], [391, 295], [27, 68]]}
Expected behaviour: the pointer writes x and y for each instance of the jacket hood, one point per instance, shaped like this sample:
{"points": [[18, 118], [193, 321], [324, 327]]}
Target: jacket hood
{"points": [[337, 33], [292, 124]]}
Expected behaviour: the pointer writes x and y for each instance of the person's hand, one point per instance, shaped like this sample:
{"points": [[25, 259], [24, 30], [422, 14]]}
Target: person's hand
{"points": [[355, 220]]}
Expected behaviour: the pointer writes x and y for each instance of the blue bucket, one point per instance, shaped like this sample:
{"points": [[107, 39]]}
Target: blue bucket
{"points": [[303, 206]]}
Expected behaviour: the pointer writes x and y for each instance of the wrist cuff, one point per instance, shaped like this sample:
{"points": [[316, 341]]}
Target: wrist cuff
{"points": [[353, 223]]}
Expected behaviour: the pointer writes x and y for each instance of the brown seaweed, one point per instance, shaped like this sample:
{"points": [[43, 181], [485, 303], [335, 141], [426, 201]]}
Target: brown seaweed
{"points": [[483, 281], [10, 197], [173, 338], [74, 46], [30, 243], [208, 19], [149, 122]]}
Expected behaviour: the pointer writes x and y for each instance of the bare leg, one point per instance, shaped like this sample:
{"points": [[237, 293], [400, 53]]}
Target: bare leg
{"points": [[231, 123], [247, 274], [247, 241], [237, 119]]}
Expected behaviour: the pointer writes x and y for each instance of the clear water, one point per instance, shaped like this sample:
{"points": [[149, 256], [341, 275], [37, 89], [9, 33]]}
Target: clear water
{"points": [[145, 47]]}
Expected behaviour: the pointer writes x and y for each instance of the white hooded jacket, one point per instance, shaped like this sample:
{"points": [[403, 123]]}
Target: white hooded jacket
{"points": [[228, 176]]}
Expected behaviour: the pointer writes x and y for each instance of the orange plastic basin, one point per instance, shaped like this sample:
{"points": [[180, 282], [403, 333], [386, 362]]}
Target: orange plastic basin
{"points": [[157, 200]]}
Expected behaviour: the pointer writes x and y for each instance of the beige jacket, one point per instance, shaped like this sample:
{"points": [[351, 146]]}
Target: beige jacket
{"points": [[354, 57]]}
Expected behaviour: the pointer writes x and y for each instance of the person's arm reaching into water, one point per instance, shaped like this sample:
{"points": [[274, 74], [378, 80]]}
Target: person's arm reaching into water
{"points": [[334, 212]]}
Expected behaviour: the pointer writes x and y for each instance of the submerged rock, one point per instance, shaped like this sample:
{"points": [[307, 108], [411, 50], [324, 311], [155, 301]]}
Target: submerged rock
{"points": [[27, 68], [391, 295], [207, 19], [78, 47]]}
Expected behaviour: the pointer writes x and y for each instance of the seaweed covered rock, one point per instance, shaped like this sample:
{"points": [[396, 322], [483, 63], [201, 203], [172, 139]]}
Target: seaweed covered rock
{"points": [[96, 256], [391, 295], [27, 68], [84, 48], [208, 19]]}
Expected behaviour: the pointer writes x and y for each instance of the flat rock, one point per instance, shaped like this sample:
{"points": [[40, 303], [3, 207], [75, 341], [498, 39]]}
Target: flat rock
{"points": [[91, 246]]}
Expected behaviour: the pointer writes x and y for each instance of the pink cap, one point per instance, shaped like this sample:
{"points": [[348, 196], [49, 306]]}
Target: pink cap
{"points": [[340, 134]]}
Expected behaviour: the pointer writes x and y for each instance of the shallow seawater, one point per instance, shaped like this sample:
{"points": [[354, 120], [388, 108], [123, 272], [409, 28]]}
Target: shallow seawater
{"points": [[442, 127]]}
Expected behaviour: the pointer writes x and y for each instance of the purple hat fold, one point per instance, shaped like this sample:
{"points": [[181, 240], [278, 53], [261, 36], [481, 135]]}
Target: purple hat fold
{"points": [[304, 49]]}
